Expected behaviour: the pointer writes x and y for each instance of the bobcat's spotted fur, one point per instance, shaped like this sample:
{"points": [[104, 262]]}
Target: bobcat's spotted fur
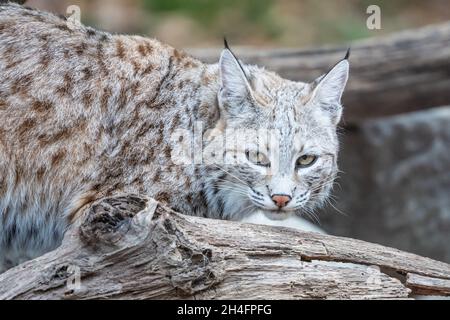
{"points": [[86, 114]]}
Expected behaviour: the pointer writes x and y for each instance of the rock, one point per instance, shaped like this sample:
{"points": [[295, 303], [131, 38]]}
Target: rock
{"points": [[395, 187]]}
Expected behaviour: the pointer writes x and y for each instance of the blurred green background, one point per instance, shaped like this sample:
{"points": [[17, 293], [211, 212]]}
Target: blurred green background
{"points": [[268, 23]]}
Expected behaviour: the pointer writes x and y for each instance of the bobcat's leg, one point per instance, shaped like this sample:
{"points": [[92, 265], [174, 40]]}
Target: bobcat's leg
{"points": [[107, 219], [100, 222]]}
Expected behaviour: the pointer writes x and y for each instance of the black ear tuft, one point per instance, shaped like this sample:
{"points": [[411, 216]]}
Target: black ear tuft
{"points": [[347, 55], [225, 43]]}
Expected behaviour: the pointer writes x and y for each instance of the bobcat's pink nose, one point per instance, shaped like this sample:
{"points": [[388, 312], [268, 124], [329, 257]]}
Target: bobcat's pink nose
{"points": [[281, 200]]}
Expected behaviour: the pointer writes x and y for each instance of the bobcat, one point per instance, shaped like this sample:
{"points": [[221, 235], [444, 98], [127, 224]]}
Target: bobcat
{"points": [[85, 114]]}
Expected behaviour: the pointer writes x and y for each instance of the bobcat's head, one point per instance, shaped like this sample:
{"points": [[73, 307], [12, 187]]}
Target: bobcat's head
{"points": [[276, 140]]}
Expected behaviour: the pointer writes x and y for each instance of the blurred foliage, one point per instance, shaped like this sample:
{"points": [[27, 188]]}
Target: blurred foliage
{"points": [[253, 22], [221, 17], [296, 22], [206, 11]]}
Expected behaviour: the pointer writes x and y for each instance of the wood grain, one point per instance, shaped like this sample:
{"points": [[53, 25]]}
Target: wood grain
{"points": [[427, 285], [155, 253]]}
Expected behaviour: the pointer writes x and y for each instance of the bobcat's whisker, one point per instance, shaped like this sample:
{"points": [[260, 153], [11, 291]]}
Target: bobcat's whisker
{"points": [[246, 208], [233, 190], [334, 207], [230, 174], [228, 184], [311, 214]]}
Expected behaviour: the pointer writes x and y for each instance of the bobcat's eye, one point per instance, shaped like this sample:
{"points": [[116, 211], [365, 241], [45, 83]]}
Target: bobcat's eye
{"points": [[258, 158], [305, 161]]}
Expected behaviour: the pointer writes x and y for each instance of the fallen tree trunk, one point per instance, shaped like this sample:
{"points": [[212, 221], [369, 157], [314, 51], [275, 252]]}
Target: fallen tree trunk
{"points": [[128, 247], [404, 72]]}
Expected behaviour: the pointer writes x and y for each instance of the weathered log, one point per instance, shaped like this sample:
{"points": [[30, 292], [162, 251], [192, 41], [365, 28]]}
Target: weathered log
{"points": [[404, 72], [426, 285], [132, 247]]}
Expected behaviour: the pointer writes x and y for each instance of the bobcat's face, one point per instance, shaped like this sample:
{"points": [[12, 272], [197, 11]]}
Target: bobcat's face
{"points": [[280, 146]]}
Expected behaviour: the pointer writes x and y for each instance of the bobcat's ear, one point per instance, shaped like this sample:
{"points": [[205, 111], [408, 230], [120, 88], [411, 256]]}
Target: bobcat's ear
{"points": [[235, 88], [327, 90]]}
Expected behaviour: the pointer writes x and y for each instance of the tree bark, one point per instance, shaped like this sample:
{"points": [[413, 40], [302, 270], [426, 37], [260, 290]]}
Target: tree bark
{"points": [[404, 72], [131, 247]]}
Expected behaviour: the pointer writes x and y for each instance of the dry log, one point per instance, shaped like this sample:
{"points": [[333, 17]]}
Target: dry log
{"points": [[428, 286], [131, 247], [404, 72]]}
